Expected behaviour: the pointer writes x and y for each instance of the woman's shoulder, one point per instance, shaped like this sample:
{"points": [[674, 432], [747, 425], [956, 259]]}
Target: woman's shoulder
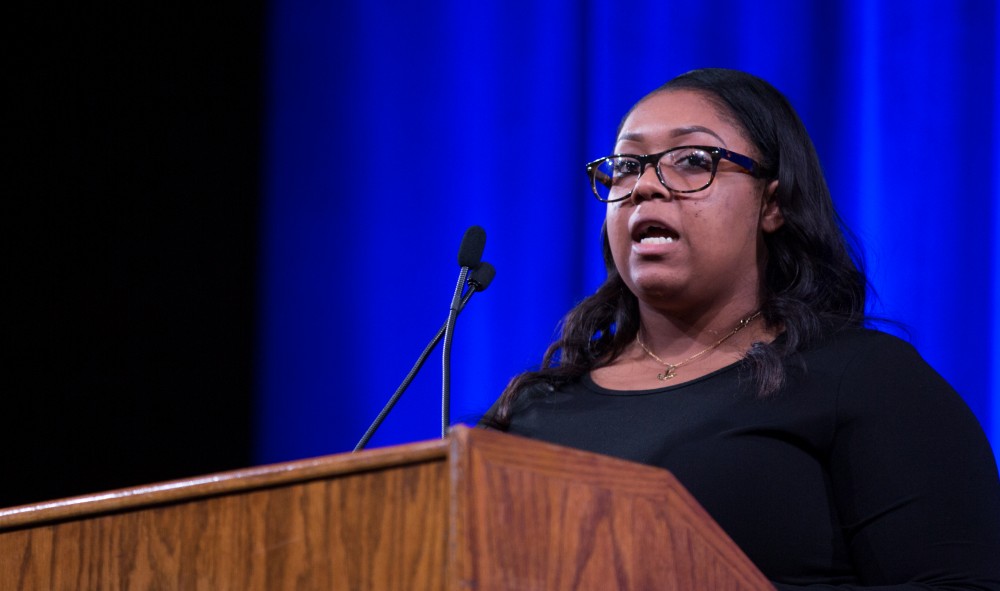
{"points": [[860, 338], [860, 349], [869, 367]]}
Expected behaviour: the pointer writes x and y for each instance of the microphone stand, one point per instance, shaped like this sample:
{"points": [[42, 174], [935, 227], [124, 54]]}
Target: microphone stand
{"points": [[449, 333], [479, 281]]}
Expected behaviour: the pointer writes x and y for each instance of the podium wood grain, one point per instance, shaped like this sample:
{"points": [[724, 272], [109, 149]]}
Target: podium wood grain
{"points": [[562, 519], [481, 511]]}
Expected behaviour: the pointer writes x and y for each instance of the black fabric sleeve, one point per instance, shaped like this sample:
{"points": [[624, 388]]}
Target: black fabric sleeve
{"points": [[913, 478]]}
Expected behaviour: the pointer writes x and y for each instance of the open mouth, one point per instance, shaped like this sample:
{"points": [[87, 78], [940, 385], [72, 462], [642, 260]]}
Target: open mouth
{"points": [[654, 234]]}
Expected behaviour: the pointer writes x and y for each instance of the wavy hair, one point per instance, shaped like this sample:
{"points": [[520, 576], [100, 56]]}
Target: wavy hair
{"points": [[813, 283]]}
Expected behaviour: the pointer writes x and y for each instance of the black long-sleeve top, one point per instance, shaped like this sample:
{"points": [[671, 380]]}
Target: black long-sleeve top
{"points": [[867, 471]]}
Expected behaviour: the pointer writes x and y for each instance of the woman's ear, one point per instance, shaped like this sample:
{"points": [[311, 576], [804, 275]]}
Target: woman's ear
{"points": [[771, 217]]}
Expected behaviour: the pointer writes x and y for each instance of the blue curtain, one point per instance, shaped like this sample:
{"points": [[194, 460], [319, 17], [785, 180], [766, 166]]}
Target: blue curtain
{"points": [[393, 126]]}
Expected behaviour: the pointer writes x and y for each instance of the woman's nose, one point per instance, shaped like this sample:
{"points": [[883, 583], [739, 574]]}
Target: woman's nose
{"points": [[648, 186]]}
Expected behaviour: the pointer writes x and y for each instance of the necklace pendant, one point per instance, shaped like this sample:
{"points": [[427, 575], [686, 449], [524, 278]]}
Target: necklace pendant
{"points": [[670, 369], [668, 372]]}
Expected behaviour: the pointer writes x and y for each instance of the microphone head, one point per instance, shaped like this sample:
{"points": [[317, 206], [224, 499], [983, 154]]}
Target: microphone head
{"points": [[471, 250], [482, 276]]}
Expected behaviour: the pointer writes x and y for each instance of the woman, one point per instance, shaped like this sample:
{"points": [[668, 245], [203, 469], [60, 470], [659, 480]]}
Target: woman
{"points": [[727, 346]]}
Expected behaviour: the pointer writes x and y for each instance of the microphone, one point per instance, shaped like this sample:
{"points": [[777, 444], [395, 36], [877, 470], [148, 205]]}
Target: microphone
{"points": [[469, 253], [479, 279], [471, 249]]}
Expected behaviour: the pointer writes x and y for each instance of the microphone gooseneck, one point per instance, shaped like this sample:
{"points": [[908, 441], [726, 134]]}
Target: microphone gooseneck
{"points": [[469, 254], [479, 277]]}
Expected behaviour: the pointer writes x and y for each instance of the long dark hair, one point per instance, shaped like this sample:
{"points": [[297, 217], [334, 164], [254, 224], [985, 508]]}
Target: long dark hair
{"points": [[813, 283]]}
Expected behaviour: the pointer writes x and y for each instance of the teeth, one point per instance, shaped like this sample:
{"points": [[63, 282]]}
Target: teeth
{"points": [[656, 240]]}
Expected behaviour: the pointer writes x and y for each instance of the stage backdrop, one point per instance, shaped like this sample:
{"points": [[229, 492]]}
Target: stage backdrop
{"points": [[393, 126]]}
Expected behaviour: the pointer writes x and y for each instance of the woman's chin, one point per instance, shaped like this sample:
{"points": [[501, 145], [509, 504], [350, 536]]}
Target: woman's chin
{"points": [[657, 288]]}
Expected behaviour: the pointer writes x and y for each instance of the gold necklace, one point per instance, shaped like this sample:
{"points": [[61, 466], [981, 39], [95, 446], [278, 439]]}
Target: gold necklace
{"points": [[670, 369]]}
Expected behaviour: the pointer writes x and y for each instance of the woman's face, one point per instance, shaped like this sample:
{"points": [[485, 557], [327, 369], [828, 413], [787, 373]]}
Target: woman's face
{"points": [[691, 252]]}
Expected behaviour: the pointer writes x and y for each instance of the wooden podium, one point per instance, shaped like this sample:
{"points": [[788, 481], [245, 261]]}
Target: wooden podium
{"points": [[478, 511]]}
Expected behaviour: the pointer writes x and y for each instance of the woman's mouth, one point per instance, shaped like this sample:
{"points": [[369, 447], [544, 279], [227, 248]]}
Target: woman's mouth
{"points": [[654, 234]]}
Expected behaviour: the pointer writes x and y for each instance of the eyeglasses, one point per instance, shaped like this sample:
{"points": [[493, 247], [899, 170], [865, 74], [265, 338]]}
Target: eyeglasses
{"points": [[685, 169]]}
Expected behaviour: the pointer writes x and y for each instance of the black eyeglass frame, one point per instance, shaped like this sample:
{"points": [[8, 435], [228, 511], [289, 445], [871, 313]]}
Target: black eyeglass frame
{"points": [[748, 165]]}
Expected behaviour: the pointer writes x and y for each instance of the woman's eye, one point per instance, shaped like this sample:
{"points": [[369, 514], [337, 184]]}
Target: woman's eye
{"points": [[693, 159], [624, 166]]}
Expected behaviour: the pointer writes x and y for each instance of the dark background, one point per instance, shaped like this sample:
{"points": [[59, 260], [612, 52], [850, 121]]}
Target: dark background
{"points": [[131, 189], [130, 222]]}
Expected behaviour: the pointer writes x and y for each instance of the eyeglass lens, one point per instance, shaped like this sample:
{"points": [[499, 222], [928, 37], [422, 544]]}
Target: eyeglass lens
{"points": [[682, 169]]}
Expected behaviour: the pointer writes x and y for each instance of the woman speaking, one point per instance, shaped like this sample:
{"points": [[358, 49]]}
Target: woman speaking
{"points": [[728, 346]]}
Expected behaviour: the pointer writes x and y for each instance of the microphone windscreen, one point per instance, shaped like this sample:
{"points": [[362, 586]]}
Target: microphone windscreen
{"points": [[482, 276], [473, 244]]}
